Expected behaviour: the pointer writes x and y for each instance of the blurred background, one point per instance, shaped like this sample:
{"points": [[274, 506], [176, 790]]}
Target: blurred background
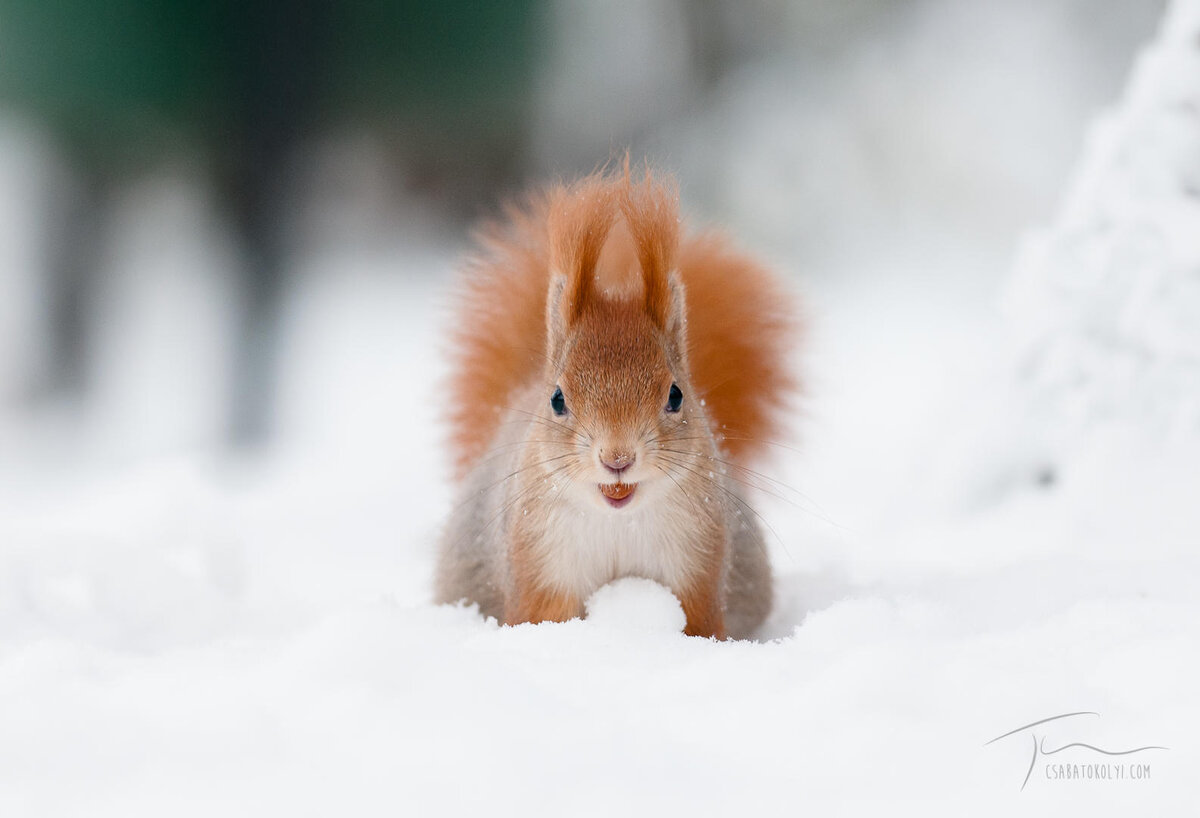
{"points": [[228, 233], [194, 195]]}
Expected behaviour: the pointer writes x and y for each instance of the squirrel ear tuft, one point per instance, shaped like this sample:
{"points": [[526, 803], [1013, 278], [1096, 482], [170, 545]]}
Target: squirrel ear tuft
{"points": [[556, 312], [675, 324], [580, 219], [651, 211]]}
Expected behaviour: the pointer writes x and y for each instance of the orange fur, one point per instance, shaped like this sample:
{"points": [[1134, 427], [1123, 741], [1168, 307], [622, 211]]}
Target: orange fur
{"points": [[742, 328], [498, 338], [701, 601], [652, 218], [579, 220], [534, 604], [531, 600], [740, 324]]}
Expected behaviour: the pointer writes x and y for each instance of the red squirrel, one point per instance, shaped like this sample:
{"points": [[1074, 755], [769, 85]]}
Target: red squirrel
{"points": [[611, 379]]}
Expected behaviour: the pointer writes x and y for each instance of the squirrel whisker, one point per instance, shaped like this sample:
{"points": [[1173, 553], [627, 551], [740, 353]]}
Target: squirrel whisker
{"points": [[732, 496]]}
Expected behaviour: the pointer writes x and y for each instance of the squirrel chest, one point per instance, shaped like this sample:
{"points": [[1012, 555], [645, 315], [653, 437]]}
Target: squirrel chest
{"points": [[579, 548]]}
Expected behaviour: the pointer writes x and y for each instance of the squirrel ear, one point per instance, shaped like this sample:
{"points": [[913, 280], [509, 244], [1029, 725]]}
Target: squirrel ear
{"points": [[675, 316], [580, 219], [651, 211], [556, 313]]}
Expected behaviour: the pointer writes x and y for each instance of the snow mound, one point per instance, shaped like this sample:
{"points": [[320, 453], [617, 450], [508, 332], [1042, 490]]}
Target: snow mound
{"points": [[635, 604], [1106, 303]]}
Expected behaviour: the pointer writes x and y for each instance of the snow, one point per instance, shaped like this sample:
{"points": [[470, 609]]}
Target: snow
{"points": [[187, 634], [635, 604], [1104, 302], [203, 637]]}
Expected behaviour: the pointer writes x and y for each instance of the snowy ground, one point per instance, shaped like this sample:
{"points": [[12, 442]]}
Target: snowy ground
{"points": [[189, 636]]}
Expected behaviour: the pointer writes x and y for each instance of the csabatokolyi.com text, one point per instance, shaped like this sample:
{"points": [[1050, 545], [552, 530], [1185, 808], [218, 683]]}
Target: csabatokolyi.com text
{"points": [[1097, 772]]}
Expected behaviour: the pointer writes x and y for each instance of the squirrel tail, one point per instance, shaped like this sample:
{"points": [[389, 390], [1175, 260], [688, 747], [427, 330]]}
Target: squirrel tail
{"points": [[497, 341], [742, 327], [740, 321]]}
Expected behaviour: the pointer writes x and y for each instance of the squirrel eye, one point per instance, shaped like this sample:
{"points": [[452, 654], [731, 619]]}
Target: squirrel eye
{"points": [[557, 402], [675, 399]]}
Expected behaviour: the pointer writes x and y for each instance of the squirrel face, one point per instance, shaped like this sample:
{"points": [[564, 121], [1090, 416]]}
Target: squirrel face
{"points": [[616, 412], [619, 402]]}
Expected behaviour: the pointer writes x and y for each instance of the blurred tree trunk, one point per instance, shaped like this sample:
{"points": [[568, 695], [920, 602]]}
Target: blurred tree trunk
{"points": [[278, 59]]}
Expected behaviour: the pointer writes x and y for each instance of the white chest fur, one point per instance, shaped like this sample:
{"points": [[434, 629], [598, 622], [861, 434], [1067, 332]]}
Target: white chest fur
{"points": [[582, 548]]}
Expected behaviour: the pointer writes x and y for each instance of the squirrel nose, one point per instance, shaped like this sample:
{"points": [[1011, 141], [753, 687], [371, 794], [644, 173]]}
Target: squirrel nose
{"points": [[616, 460]]}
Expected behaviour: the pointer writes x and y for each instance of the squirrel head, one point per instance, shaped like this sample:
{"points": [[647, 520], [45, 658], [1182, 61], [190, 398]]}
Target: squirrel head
{"points": [[619, 405]]}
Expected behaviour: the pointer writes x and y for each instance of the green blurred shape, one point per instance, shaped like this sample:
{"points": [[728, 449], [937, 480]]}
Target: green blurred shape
{"points": [[112, 74]]}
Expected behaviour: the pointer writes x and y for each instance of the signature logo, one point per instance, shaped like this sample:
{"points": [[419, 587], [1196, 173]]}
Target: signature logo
{"points": [[1053, 771]]}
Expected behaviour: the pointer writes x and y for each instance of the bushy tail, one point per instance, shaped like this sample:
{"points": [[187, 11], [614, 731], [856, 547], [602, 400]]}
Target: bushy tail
{"points": [[741, 322], [743, 329]]}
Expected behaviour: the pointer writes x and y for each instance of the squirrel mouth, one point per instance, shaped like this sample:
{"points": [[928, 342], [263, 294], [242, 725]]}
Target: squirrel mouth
{"points": [[617, 494]]}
